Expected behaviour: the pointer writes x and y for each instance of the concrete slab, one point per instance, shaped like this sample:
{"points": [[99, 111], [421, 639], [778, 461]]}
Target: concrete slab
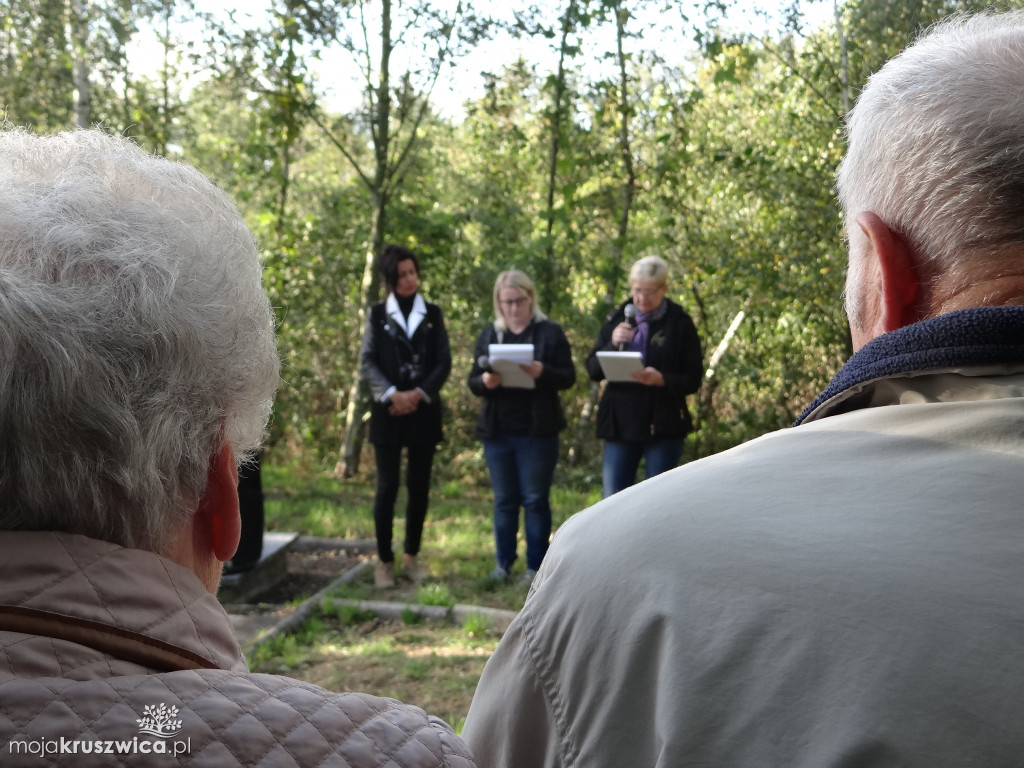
{"points": [[271, 568]]}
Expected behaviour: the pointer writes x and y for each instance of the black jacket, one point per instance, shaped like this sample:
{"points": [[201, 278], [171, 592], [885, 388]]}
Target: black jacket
{"points": [[389, 358], [631, 411], [542, 412]]}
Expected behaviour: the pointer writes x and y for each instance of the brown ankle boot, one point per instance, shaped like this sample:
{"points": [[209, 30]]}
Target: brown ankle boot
{"points": [[384, 574], [412, 569]]}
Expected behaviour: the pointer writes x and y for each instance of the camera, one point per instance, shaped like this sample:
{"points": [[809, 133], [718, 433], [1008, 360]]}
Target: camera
{"points": [[410, 374]]}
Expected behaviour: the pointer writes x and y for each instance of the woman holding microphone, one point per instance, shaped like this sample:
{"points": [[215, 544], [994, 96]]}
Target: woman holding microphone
{"points": [[519, 425], [646, 417]]}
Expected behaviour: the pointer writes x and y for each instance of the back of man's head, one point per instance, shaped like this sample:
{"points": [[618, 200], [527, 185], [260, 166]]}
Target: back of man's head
{"points": [[135, 337], [936, 150]]}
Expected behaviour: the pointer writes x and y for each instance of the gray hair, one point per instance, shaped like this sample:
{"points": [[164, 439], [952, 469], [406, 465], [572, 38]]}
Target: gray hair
{"points": [[650, 269], [135, 337], [513, 278], [936, 149]]}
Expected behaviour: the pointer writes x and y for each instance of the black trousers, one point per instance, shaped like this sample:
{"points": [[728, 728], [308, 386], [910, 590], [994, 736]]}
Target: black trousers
{"points": [[250, 505], [417, 484]]}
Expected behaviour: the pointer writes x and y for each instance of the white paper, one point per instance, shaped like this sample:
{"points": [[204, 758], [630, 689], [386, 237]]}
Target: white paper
{"points": [[506, 359], [620, 366]]}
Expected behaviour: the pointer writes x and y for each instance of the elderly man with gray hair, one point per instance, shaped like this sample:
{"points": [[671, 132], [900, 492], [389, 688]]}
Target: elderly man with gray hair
{"points": [[846, 592], [138, 364]]}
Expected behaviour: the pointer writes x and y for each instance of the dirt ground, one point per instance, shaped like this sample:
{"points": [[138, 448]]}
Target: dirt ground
{"points": [[434, 666], [312, 565]]}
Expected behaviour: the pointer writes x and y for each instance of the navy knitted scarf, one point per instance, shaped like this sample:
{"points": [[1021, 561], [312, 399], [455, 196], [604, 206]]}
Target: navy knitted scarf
{"points": [[967, 338]]}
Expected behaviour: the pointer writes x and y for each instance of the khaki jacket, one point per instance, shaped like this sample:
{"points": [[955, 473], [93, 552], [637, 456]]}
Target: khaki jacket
{"points": [[113, 656], [844, 593]]}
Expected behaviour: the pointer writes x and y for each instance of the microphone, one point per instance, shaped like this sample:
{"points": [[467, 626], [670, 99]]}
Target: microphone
{"points": [[484, 362], [630, 311]]}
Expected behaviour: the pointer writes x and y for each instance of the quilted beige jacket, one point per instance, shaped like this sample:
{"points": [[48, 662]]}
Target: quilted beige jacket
{"points": [[113, 656]]}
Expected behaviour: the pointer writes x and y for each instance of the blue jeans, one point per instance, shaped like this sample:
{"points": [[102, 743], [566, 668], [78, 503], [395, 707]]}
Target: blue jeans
{"points": [[622, 458], [521, 468]]}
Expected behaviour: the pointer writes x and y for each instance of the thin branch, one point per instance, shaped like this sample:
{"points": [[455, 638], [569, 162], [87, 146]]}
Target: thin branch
{"points": [[311, 111], [769, 47], [444, 49], [368, 73]]}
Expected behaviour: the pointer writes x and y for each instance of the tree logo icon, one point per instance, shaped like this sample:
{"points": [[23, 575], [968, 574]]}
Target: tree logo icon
{"points": [[159, 721]]}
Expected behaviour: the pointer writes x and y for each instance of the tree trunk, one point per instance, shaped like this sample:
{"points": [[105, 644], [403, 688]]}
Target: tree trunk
{"points": [[844, 58], [547, 281], [706, 416], [78, 23], [625, 148], [359, 392], [586, 419], [628, 191]]}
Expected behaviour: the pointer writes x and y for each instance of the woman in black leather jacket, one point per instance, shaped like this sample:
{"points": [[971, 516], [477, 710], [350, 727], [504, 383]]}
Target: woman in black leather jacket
{"points": [[405, 359]]}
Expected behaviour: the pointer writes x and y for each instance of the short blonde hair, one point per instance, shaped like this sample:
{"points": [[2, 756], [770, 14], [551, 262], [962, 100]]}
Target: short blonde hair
{"points": [[650, 269], [513, 278]]}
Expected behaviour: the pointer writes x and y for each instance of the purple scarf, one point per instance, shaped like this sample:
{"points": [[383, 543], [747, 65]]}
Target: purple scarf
{"points": [[643, 327]]}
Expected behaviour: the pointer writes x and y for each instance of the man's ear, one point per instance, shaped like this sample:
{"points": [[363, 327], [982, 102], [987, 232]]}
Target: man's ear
{"points": [[897, 275], [218, 510]]}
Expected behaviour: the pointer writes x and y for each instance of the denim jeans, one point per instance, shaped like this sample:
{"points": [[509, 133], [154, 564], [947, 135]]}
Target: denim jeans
{"points": [[521, 468], [622, 458]]}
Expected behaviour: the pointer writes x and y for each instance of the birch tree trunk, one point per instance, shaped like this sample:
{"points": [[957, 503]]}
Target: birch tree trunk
{"points": [[78, 34]]}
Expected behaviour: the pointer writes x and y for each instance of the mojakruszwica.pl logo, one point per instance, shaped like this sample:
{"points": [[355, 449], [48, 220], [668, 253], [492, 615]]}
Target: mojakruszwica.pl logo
{"points": [[159, 723]]}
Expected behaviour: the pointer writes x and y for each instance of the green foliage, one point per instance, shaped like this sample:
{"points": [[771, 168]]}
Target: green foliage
{"points": [[410, 617], [436, 594], [344, 613], [286, 654], [351, 615], [476, 626], [734, 145]]}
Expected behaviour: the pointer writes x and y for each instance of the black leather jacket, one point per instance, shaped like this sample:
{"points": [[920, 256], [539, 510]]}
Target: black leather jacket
{"points": [[389, 358]]}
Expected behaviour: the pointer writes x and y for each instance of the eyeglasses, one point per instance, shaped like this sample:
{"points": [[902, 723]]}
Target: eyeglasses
{"points": [[514, 302], [645, 291]]}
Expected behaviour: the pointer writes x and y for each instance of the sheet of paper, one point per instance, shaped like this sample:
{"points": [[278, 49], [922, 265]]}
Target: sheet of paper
{"points": [[620, 366], [506, 359]]}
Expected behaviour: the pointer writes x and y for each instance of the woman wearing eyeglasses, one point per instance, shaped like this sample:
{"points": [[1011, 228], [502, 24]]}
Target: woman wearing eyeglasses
{"points": [[518, 424], [646, 418]]}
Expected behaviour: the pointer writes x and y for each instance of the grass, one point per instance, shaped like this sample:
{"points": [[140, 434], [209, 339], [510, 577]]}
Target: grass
{"points": [[431, 664], [434, 666], [436, 594], [458, 543]]}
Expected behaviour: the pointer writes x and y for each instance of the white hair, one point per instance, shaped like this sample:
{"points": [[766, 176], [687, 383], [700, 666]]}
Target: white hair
{"points": [[936, 149], [135, 337], [650, 269]]}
